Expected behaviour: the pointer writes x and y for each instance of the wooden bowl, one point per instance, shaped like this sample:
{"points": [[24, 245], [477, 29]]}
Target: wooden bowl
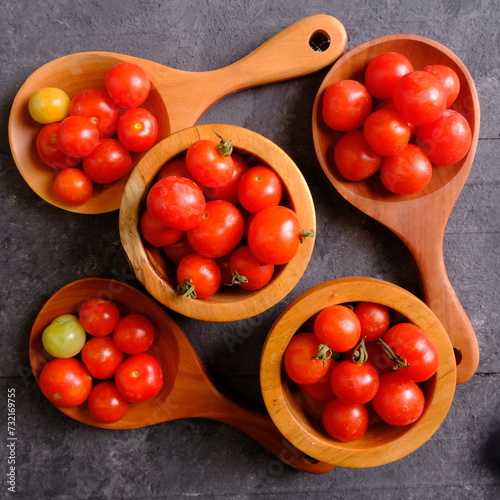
{"points": [[129, 300], [71, 73], [157, 274], [382, 443], [421, 52]]}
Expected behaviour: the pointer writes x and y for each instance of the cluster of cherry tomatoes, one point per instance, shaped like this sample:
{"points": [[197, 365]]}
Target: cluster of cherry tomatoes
{"points": [[359, 366], [100, 357], [98, 130], [397, 123], [219, 220]]}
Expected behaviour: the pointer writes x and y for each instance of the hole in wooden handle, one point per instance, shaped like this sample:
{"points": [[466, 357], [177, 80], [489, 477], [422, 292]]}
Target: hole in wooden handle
{"points": [[320, 41]]}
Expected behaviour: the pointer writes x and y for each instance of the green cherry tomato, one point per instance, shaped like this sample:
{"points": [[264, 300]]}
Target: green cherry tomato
{"points": [[64, 337]]}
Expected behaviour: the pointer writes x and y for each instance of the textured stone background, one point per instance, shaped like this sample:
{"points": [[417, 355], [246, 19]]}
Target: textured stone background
{"points": [[43, 248]]}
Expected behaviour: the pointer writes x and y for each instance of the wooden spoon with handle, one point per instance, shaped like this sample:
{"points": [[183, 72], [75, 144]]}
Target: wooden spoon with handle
{"points": [[419, 219], [188, 390], [177, 98]]}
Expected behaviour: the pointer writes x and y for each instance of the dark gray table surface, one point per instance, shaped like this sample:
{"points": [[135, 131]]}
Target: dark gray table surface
{"points": [[43, 248]]}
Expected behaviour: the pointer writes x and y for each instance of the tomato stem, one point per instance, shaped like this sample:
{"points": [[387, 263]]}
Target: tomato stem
{"points": [[324, 353], [225, 148], [306, 234], [398, 361], [187, 289], [360, 354], [237, 279]]}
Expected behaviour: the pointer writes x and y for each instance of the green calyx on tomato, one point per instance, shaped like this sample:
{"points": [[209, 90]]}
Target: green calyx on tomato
{"points": [[237, 279], [304, 233], [360, 354], [324, 353], [64, 337], [224, 148], [398, 361], [187, 289]]}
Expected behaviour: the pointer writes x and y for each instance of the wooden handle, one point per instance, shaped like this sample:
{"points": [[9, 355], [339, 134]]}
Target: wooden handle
{"points": [[303, 48], [195, 395], [441, 298], [260, 427], [306, 46]]}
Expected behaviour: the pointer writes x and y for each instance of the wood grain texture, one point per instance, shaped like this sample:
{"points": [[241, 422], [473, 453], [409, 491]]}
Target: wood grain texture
{"points": [[419, 219]]}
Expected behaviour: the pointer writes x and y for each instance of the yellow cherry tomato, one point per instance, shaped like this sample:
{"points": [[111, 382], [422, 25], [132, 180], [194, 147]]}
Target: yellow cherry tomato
{"points": [[48, 105]]}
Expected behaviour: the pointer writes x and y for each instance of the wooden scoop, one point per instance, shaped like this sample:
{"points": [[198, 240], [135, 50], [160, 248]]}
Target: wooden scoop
{"points": [[420, 219], [177, 99], [188, 391]]}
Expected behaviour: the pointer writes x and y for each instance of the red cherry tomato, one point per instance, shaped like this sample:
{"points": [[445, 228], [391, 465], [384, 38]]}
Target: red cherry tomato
{"points": [[260, 187], [306, 359], [322, 389], [198, 276], [386, 132], [446, 140], [157, 234], [354, 157], [243, 263], [219, 230], [229, 191], [337, 326], [176, 202], [106, 404], [98, 317], [399, 400], [77, 136], [128, 84], [73, 186], [65, 382], [178, 167], [102, 357], [419, 97], [407, 172], [274, 235], [109, 161], [374, 320], [346, 105], [210, 162], [383, 71], [97, 104], [50, 154], [177, 251], [389, 104], [137, 129], [414, 347], [354, 382], [226, 277], [139, 378], [134, 333], [345, 422], [449, 80]]}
